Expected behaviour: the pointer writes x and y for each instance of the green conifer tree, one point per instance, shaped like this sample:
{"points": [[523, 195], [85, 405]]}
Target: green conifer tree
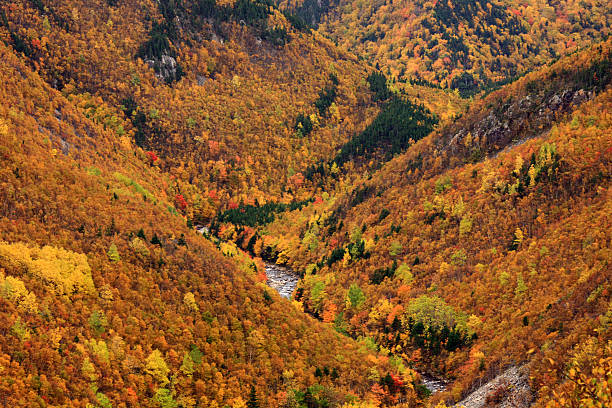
{"points": [[252, 403], [113, 253]]}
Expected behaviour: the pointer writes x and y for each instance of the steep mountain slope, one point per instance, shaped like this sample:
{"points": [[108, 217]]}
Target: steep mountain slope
{"points": [[467, 239], [109, 299], [459, 43], [485, 245], [234, 97], [215, 90]]}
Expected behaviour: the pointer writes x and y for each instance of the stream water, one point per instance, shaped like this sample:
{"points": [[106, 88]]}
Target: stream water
{"points": [[281, 279], [284, 281], [433, 384]]}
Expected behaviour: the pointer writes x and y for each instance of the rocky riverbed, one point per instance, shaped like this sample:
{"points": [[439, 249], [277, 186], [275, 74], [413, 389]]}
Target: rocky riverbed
{"points": [[281, 279], [433, 384]]}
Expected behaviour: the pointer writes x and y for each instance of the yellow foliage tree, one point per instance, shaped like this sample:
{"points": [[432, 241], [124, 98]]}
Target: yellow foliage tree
{"points": [[14, 290], [157, 368], [190, 302], [66, 272]]}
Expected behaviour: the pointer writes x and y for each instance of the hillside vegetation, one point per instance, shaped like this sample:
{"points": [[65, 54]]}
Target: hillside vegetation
{"points": [[462, 44], [109, 299], [219, 98], [486, 244], [206, 91], [437, 173]]}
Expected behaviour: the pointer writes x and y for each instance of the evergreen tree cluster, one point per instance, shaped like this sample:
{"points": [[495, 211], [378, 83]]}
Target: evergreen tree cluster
{"points": [[435, 339], [310, 11], [336, 255], [158, 43], [253, 400], [452, 15], [319, 373], [466, 84], [303, 125], [399, 122], [254, 215], [378, 85], [146, 132], [327, 96], [380, 274], [18, 43], [253, 13], [297, 22], [355, 249], [161, 36]]}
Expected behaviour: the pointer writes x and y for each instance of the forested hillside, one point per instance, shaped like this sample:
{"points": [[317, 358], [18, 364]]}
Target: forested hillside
{"points": [[462, 44], [109, 299], [233, 98], [437, 173], [485, 245], [214, 91]]}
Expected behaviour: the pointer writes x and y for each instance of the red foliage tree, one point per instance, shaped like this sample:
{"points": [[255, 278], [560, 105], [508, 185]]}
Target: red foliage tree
{"points": [[180, 202], [152, 158]]}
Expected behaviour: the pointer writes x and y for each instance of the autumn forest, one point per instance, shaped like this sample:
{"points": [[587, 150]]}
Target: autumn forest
{"points": [[305, 204]]}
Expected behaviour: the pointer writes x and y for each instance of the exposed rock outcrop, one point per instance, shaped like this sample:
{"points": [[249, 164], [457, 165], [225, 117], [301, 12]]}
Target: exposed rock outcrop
{"points": [[515, 120], [166, 68], [509, 389]]}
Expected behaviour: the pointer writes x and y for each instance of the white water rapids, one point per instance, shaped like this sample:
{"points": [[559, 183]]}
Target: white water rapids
{"points": [[281, 279]]}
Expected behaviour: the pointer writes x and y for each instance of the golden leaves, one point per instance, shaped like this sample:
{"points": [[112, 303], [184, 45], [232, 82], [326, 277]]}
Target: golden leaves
{"points": [[189, 301], [3, 128], [13, 289], [157, 367], [66, 272]]}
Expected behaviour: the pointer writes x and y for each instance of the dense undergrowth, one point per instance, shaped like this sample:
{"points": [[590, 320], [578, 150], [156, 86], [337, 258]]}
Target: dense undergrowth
{"points": [[109, 299]]}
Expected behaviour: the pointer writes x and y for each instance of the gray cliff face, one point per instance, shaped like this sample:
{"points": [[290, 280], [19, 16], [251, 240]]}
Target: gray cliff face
{"points": [[510, 389], [510, 123], [166, 68]]}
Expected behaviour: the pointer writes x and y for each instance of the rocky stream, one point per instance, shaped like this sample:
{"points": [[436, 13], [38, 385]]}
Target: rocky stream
{"points": [[281, 279]]}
